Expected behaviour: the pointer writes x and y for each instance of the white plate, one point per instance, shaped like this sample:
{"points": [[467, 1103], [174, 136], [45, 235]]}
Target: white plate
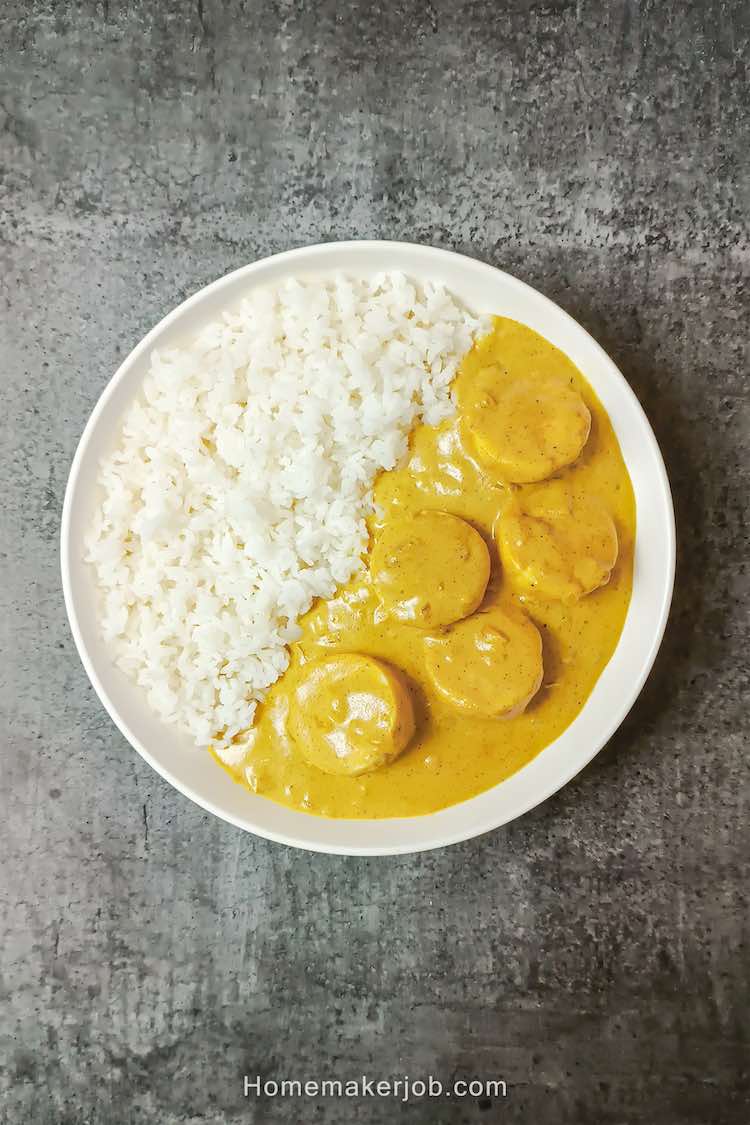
{"points": [[193, 772]]}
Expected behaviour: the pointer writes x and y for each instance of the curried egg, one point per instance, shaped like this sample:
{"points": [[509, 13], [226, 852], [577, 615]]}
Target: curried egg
{"points": [[430, 569], [489, 665], [525, 429], [557, 544], [351, 714]]}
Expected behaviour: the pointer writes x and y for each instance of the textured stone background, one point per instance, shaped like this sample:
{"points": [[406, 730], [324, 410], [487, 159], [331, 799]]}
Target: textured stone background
{"points": [[594, 954]]}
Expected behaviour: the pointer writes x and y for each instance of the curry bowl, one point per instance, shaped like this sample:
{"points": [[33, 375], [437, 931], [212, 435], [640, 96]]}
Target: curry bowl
{"points": [[483, 289]]}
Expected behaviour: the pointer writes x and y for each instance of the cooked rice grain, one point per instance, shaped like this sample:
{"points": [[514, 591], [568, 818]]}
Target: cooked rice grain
{"points": [[242, 477]]}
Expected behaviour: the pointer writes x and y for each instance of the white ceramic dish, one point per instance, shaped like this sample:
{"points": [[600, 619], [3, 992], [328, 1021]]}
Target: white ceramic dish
{"points": [[193, 772]]}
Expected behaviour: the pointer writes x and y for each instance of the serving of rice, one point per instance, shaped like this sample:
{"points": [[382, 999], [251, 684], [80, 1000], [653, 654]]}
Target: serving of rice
{"points": [[239, 485]]}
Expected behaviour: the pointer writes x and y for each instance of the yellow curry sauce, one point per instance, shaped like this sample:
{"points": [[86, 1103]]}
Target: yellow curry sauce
{"points": [[454, 754]]}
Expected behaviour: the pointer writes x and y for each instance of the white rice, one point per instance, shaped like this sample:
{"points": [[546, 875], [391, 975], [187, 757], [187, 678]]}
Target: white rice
{"points": [[241, 479]]}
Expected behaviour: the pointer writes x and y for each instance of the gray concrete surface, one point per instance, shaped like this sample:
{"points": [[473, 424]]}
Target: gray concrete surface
{"points": [[593, 955]]}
